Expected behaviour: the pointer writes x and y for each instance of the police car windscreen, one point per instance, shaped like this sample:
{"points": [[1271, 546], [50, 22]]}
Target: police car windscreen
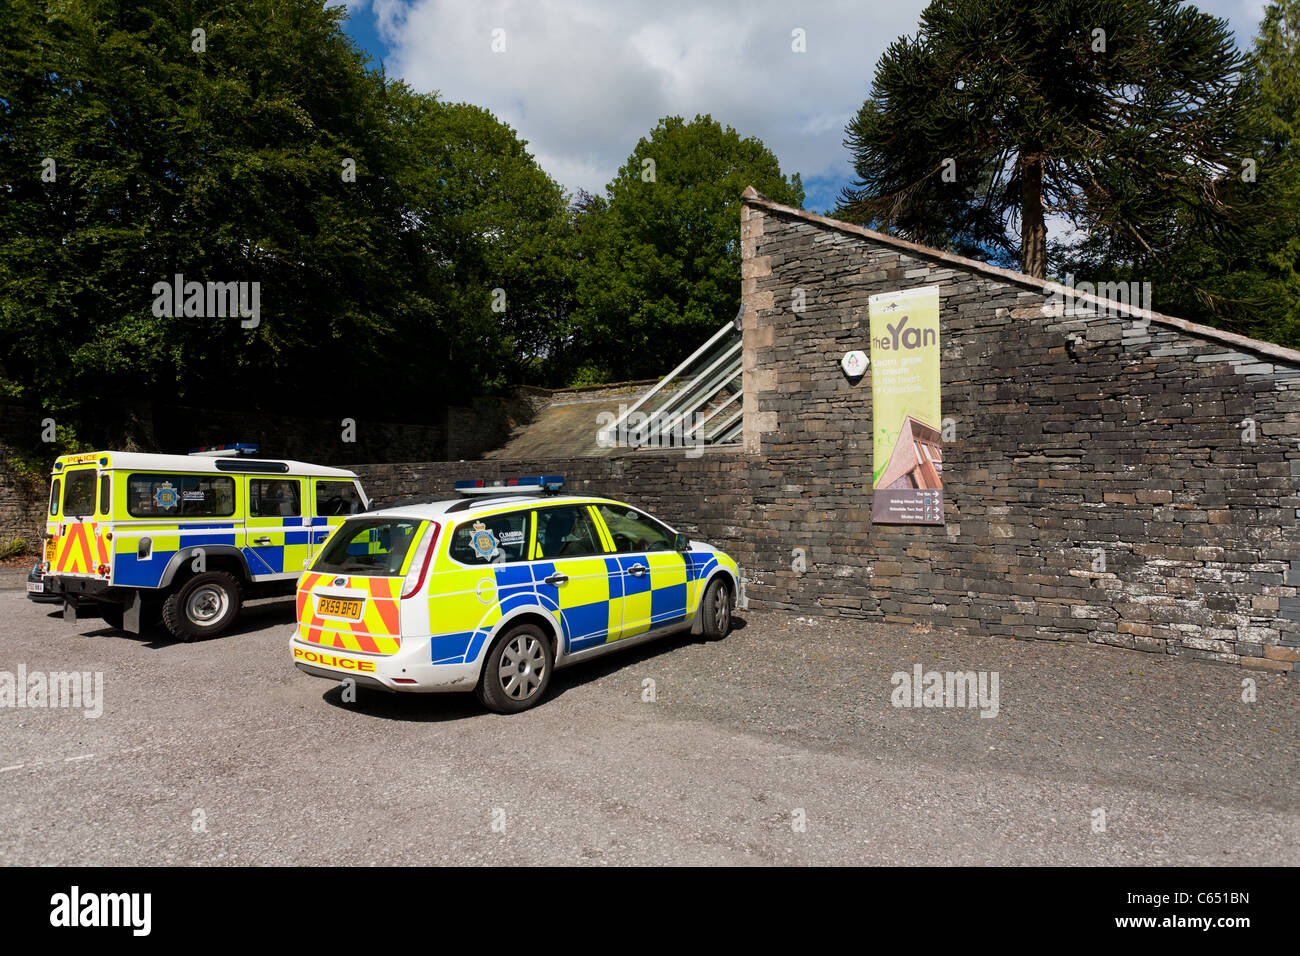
{"points": [[376, 547]]}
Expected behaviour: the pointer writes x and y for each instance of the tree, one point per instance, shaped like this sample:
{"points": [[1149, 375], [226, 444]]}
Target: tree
{"points": [[491, 243], [661, 258], [1245, 278], [1111, 114], [1273, 78], [263, 149]]}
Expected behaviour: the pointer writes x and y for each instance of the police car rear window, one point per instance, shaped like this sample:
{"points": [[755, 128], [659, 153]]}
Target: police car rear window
{"points": [[180, 496], [375, 548], [79, 493]]}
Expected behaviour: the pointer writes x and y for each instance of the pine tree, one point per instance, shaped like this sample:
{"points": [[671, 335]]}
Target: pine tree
{"points": [[1000, 114]]}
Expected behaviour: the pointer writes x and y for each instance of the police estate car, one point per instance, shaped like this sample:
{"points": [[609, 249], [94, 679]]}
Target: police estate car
{"points": [[494, 591]]}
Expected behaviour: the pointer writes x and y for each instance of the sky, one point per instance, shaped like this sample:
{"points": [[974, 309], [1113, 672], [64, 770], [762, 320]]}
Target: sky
{"points": [[583, 80]]}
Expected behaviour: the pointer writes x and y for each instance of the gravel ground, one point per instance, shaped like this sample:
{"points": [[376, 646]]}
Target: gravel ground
{"points": [[777, 745]]}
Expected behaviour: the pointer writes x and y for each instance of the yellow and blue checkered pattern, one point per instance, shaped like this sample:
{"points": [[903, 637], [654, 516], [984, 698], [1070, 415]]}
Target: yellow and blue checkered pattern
{"points": [[602, 600]]}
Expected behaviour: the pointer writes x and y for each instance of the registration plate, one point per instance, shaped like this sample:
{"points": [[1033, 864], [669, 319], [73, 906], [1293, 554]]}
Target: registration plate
{"points": [[338, 607], [36, 587]]}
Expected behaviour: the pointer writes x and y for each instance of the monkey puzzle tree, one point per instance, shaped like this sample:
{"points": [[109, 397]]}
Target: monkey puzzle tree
{"points": [[998, 114]]}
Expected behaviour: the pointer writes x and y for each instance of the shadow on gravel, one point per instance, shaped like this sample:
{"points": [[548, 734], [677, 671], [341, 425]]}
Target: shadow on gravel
{"points": [[253, 619], [428, 708]]}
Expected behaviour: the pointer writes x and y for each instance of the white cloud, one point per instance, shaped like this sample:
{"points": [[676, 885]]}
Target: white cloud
{"points": [[583, 80]]}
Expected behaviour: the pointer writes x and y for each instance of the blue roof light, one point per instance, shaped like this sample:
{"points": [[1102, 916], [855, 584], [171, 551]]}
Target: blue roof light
{"points": [[225, 451], [481, 486]]}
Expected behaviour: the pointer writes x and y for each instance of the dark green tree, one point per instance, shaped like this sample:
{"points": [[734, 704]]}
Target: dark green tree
{"points": [[1109, 114], [1242, 278], [493, 238], [661, 258], [377, 221]]}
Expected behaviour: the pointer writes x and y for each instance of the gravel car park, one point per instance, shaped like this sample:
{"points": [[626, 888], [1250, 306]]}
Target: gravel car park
{"points": [[781, 743]]}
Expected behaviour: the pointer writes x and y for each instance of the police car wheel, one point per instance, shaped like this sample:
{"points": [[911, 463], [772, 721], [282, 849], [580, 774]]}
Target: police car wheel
{"points": [[204, 606], [516, 670], [716, 609]]}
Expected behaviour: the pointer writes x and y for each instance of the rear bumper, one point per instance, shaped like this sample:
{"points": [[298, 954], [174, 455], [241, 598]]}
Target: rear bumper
{"points": [[61, 586], [409, 670]]}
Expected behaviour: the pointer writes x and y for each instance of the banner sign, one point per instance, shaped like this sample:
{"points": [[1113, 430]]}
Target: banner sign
{"points": [[907, 450]]}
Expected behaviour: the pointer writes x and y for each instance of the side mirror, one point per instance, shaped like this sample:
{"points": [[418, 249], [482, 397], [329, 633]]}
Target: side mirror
{"points": [[681, 542]]}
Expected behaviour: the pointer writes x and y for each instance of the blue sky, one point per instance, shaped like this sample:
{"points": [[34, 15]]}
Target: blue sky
{"points": [[583, 80]]}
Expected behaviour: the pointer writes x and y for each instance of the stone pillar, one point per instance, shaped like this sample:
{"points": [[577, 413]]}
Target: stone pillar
{"points": [[756, 332]]}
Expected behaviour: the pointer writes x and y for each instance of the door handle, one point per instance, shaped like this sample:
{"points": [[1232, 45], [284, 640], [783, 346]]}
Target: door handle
{"points": [[638, 570], [321, 536], [555, 580], [261, 541]]}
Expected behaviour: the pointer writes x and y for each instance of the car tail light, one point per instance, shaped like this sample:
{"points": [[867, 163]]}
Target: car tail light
{"points": [[420, 562]]}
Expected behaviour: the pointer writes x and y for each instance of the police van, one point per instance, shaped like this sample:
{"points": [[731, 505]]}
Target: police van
{"points": [[194, 533], [493, 591]]}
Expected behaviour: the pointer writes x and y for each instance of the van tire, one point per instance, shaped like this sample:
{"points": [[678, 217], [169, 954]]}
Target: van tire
{"points": [[203, 606], [715, 609], [531, 647]]}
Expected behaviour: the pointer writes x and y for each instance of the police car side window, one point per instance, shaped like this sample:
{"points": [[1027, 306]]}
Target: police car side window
{"points": [[337, 498], [566, 532], [633, 531], [180, 496], [491, 539], [274, 498]]}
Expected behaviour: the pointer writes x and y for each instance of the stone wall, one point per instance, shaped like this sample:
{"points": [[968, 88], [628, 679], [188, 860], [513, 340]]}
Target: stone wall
{"points": [[1125, 479], [23, 495], [1135, 487]]}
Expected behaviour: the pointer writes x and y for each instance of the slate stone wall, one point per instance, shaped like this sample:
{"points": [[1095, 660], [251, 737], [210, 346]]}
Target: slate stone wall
{"points": [[1108, 478], [1137, 486]]}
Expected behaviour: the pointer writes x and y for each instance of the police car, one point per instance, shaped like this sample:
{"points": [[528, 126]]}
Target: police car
{"points": [[493, 591], [189, 535]]}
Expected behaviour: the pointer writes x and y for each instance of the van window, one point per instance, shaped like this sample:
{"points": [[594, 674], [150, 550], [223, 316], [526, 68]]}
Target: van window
{"points": [[566, 532], [54, 497], [338, 498], [375, 547], [79, 494], [105, 494], [493, 538], [274, 498], [180, 496]]}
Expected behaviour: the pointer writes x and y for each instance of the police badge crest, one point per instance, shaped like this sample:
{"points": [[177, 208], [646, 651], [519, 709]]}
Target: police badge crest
{"points": [[166, 496], [483, 541]]}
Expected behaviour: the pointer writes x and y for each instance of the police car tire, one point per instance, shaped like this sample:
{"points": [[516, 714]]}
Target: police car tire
{"points": [[489, 690], [718, 590], [179, 623]]}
